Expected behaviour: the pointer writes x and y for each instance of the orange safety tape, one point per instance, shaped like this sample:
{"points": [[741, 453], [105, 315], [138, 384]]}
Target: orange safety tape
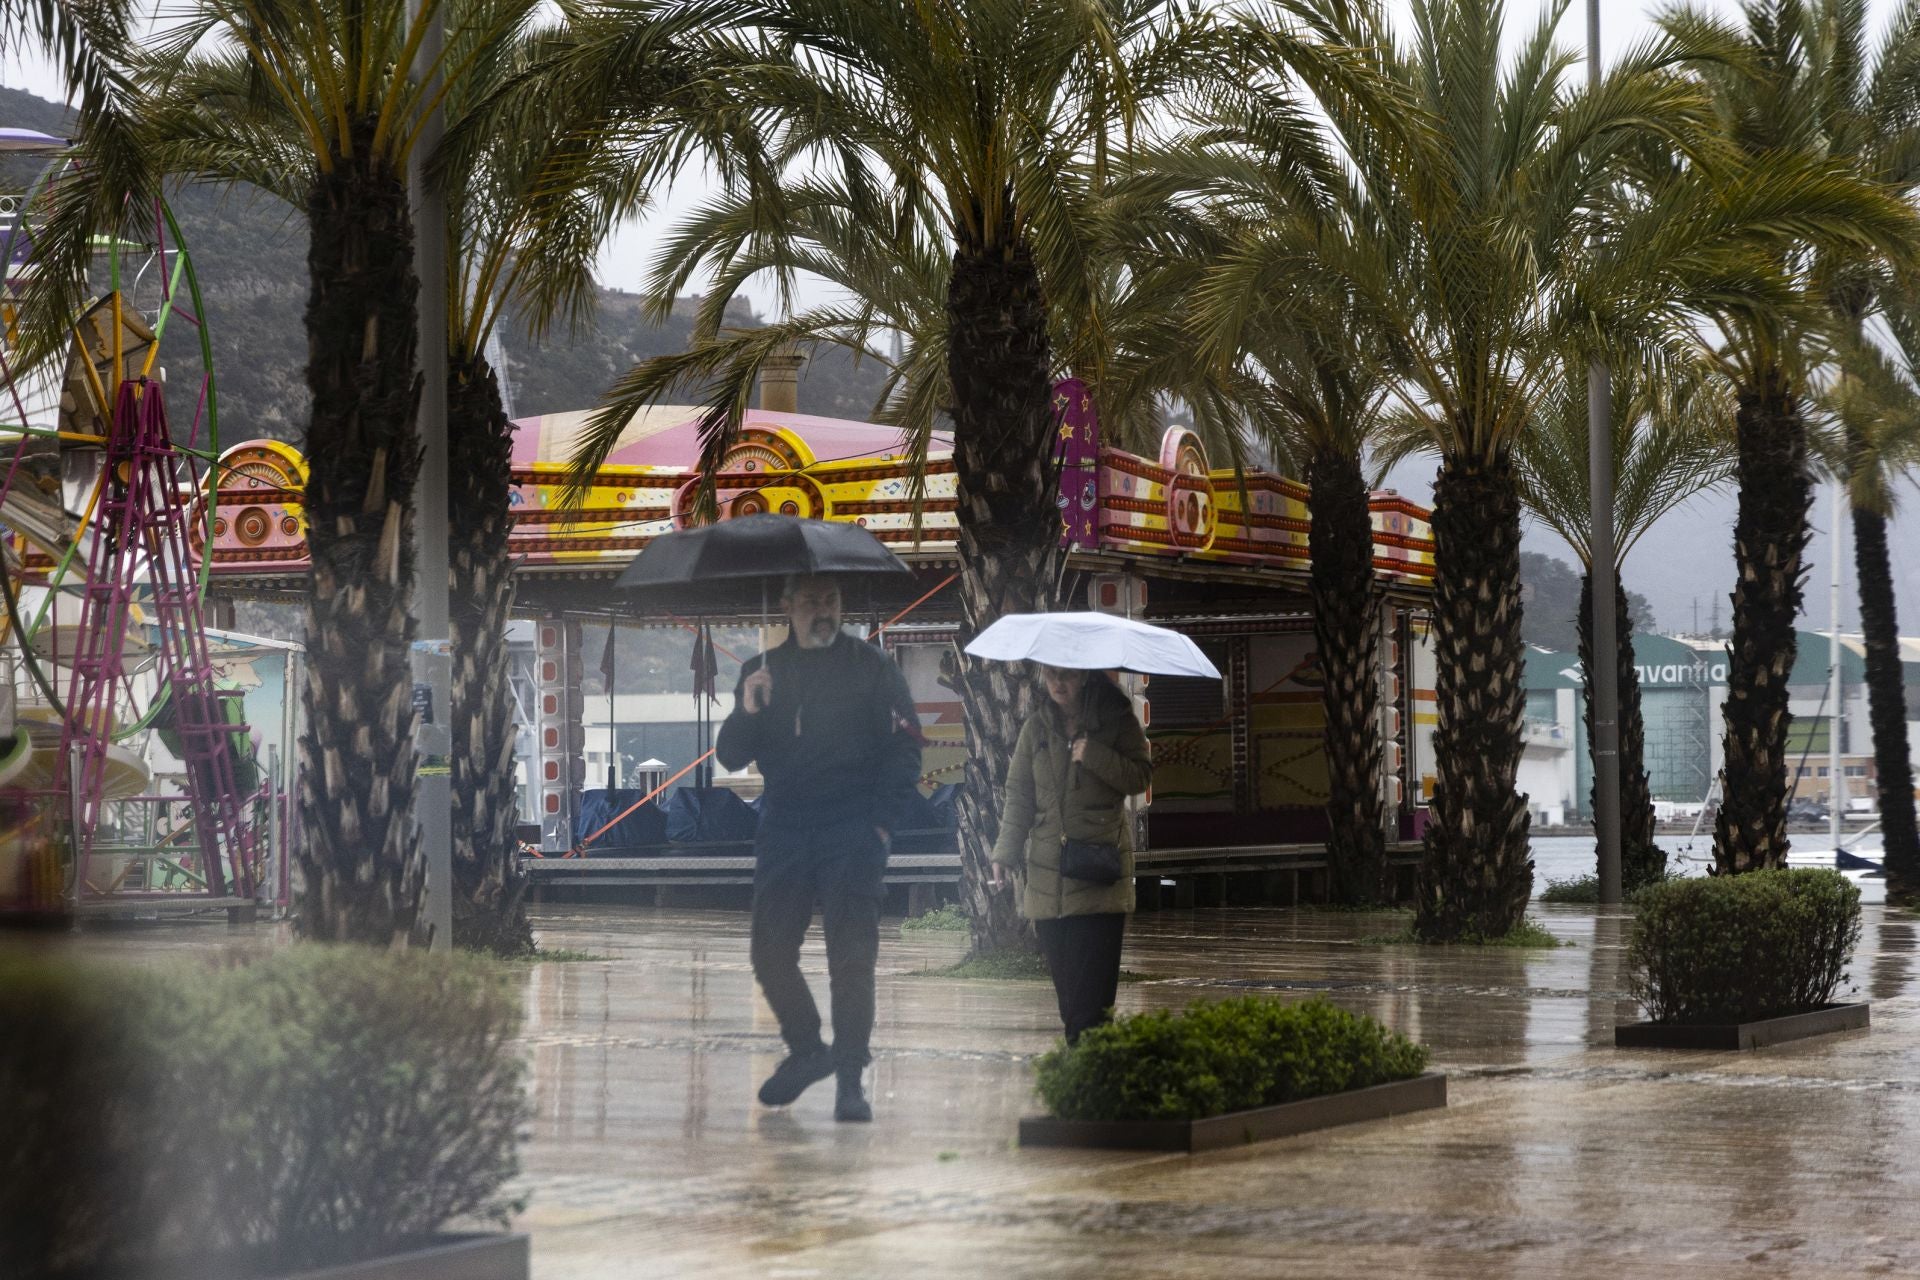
{"points": [[579, 850], [695, 627], [944, 584]]}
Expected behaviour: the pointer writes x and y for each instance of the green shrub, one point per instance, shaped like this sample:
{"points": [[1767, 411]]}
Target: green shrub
{"points": [[996, 966], [1233, 1055], [1740, 948], [1585, 889], [1529, 934], [1580, 889], [306, 1108], [946, 919]]}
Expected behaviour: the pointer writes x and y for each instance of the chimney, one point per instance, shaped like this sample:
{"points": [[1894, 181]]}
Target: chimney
{"points": [[780, 381]]}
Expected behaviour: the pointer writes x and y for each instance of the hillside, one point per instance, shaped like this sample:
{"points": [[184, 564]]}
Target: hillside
{"points": [[249, 251]]}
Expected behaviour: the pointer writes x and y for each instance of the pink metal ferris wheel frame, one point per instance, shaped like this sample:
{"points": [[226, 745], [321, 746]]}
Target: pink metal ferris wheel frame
{"points": [[142, 529]]}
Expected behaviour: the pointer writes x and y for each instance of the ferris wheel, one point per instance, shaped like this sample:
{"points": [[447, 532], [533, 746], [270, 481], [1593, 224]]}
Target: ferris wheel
{"points": [[102, 646]]}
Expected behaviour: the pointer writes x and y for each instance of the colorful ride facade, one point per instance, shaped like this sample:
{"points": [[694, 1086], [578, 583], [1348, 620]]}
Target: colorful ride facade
{"points": [[1172, 538]]}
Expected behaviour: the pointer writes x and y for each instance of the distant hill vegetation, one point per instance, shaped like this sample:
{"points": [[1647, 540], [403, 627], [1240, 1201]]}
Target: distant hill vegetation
{"points": [[1550, 618], [249, 254]]}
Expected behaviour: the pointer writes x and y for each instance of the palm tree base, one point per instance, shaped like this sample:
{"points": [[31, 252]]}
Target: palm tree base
{"points": [[362, 872], [1642, 860], [1476, 874], [1340, 543], [488, 883], [1769, 550], [1009, 534], [1887, 707]]}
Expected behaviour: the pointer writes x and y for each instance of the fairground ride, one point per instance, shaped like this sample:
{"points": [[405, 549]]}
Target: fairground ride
{"points": [[103, 648]]}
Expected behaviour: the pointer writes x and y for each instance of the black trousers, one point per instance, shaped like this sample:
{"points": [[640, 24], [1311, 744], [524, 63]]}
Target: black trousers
{"points": [[1083, 954], [841, 866]]}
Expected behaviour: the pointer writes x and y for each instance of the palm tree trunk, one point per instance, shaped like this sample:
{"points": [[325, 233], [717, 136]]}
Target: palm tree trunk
{"points": [[487, 884], [1340, 541], [1642, 860], [362, 873], [1475, 874], [1769, 546], [1009, 535], [1887, 707]]}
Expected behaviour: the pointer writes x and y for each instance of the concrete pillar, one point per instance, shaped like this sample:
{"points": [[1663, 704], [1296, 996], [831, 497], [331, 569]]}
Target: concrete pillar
{"points": [[561, 734], [780, 381]]}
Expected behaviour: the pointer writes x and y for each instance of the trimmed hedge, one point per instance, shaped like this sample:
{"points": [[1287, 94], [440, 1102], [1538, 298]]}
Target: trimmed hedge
{"points": [[1215, 1058], [310, 1107], [1729, 949]]}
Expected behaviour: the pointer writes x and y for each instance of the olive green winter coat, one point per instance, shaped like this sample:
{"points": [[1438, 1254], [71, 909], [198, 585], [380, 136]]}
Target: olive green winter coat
{"points": [[1049, 797]]}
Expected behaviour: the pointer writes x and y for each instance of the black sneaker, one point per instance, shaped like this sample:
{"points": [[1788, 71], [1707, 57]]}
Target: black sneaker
{"points": [[791, 1078], [850, 1105]]}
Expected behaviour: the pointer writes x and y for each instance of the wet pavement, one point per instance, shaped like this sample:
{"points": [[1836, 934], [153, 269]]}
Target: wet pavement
{"points": [[1558, 1156]]}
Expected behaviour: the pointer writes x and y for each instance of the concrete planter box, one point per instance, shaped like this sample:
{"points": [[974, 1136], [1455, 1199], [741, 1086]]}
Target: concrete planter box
{"points": [[1741, 1035], [1238, 1128], [490, 1256], [466, 1256]]}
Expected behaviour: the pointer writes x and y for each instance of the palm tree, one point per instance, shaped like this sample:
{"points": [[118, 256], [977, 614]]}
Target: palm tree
{"points": [[84, 41], [506, 150], [526, 216], [314, 102], [886, 304], [1467, 243], [1316, 390], [1869, 117], [1672, 438], [90, 44], [1326, 404], [990, 116], [1789, 87], [1875, 406]]}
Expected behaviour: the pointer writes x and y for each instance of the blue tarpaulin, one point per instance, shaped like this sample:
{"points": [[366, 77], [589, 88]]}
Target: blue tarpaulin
{"points": [[646, 825], [703, 815]]}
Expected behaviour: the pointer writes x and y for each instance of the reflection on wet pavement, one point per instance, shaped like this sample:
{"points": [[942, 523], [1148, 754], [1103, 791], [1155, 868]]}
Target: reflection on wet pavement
{"points": [[1558, 1156]]}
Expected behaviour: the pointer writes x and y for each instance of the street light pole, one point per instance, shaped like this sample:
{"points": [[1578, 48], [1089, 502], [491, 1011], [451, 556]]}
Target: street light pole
{"points": [[1837, 708], [1603, 681], [433, 650]]}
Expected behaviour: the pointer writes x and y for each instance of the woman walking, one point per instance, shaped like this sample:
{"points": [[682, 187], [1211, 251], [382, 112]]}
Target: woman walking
{"points": [[1064, 836]]}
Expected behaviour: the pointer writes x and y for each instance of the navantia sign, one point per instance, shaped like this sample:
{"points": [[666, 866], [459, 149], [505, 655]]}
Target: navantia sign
{"points": [[1669, 675]]}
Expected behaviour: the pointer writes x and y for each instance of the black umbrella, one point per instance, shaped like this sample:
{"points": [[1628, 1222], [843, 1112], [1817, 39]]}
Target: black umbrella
{"points": [[726, 561], [734, 567]]}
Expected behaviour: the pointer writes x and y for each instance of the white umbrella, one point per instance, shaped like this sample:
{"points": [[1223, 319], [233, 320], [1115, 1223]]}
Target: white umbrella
{"points": [[1093, 642]]}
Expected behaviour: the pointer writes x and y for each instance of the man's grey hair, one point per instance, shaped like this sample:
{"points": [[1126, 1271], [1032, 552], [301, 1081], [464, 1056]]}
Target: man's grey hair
{"points": [[791, 583]]}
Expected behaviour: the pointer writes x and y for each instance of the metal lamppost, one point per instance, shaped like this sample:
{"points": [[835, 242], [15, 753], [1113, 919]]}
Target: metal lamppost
{"points": [[1603, 682], [433, 651], [1836, 721]]}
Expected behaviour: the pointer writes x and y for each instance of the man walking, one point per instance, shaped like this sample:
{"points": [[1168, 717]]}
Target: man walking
{"points": [[830, 722]]}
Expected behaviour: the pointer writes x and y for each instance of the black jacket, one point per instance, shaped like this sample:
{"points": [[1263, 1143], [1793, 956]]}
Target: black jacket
{"points": [[839, 740]]}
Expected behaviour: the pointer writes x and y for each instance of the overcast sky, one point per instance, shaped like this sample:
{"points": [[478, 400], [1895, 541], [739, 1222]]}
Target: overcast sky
{"points": [[1686, 560]]}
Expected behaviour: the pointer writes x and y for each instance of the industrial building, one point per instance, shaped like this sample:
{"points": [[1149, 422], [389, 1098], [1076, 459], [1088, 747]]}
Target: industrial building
{"points": [[1683, 682]]}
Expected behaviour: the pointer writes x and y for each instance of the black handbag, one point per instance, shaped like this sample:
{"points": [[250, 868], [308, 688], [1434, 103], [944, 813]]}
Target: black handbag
{"points": [[1094, 861]]}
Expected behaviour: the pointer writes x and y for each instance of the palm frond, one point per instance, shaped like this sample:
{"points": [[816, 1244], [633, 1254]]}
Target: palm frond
{"points": [[1672, 439]]}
